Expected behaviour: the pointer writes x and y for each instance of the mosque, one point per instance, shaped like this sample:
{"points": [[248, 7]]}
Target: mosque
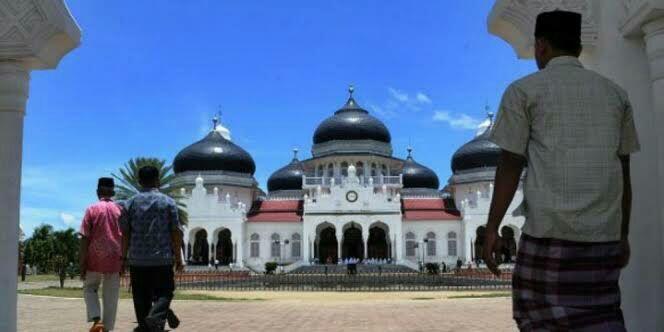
{"points": [[352, 199]]}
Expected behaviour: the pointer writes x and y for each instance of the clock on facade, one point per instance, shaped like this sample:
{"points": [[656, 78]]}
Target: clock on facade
{"points": [[351, 196]]}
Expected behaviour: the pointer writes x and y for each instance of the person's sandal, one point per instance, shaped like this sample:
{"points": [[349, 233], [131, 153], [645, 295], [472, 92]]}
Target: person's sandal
{"points": [[172, 319], [97, 327]]}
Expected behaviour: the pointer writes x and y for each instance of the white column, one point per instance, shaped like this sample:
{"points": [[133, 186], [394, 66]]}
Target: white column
{"points": [[339, 243], [241, 241], [365, 240], [50, 39], [14, 86]]}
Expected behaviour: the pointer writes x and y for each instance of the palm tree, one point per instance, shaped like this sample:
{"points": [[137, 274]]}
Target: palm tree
{"points": [[129, 186]]}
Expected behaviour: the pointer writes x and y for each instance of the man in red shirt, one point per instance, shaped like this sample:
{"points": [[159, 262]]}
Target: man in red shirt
{"points": [[101, 257]]}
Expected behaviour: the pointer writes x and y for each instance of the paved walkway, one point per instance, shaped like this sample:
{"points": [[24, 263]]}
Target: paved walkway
{"points": [[303, 314]]}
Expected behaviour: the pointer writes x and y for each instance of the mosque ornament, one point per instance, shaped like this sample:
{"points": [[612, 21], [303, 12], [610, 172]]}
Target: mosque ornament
{"points": [[351, 196]]}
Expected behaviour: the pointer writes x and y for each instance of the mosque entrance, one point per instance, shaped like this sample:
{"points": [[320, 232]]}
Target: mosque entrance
{"points": [[479, 242], [327, 246], [377, 244], [201, 254], [508, 248], [352, 246], [224, 247]]}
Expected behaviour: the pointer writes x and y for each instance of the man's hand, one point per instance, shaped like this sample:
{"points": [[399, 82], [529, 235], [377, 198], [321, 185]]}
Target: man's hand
{"points": [[625, 253], [490, 244], [123, 268], [179, 267], [83, 270]]}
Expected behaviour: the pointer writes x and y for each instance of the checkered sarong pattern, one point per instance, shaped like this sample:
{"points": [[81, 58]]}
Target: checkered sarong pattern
{"points": [[563, 285]]}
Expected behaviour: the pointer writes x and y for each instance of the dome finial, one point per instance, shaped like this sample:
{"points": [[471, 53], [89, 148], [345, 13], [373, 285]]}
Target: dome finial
{"points": [[295, 151], [410, 151], [351, 89], [215, 122]]}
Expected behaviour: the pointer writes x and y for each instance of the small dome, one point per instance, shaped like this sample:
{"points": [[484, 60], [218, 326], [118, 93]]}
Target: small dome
{"points": [[351, 122], [288, 177], [478, 153], [416, 175], [214, 153]]}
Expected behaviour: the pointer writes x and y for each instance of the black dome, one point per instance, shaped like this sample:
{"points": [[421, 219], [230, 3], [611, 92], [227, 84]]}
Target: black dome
{"points": [[478, 153], [351, 122], [418, 176], [214, 153], [288, 177]]}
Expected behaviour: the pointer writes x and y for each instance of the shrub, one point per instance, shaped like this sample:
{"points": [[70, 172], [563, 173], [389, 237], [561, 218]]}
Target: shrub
{"points": [[270, 267], [432, 268]]}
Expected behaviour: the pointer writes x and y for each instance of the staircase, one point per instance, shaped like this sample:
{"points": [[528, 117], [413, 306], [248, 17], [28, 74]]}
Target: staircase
{"points": [[361, 269]]}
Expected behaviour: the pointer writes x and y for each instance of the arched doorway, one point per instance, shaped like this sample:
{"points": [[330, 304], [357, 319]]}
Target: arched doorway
{"points": [[224, 247], [327, 246], [201, 254], [378, 243], [479, 242], [508, 248], [352, 246]]}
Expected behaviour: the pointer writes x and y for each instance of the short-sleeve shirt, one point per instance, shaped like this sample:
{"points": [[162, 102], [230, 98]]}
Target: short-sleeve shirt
{"points": [[101, 227], [150, 219], [572, 125]]}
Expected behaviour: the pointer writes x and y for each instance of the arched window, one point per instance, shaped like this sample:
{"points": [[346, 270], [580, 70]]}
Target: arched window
{"points": [[451, 244], [383, 170], [431, 244], [330, 171], [373, 170], [411, 245], [296, 245], [344, 169], [360, 168], [276, 246], [255, 246], [320, 171]]}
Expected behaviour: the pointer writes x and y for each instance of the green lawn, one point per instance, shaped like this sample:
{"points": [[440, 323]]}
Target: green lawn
{"points": [[78, 293], [40, 278], [478, 296]]}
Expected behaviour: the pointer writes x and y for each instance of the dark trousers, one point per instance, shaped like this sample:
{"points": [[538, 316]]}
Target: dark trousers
{"points": [[152, 289]]}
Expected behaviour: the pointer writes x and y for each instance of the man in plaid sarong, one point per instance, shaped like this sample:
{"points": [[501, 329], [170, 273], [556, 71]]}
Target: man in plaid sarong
{"points": [[575, 130]]}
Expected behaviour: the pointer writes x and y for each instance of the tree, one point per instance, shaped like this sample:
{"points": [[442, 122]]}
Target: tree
{"points": [[39, 248], [66, 244], [129, 185]]}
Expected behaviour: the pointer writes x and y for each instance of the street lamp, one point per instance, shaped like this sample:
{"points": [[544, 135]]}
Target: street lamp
{"points": [[426, 247]]}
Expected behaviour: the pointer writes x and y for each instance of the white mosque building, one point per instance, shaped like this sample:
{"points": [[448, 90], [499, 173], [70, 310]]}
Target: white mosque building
{"points": [[352, 198]]}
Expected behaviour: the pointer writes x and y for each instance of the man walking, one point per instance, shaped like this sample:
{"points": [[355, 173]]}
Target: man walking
{"points": [[152, 242], [100, 257], [576, 131]]}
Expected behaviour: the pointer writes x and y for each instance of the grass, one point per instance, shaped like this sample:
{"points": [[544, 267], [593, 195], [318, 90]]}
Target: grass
{"points": [[480, 296], [71, 292], [40, 278]]}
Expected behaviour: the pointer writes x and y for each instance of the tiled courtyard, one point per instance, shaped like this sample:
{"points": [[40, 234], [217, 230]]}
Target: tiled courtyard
{"points": [[294, 312]]}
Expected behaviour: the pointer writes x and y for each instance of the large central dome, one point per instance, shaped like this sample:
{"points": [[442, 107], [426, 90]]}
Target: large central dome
{"points": [[214, 153], [351, 122]]}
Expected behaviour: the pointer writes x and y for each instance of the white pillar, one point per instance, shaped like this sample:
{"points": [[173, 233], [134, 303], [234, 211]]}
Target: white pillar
{"points": [[365, 240], [14, 86], [340, 236]]}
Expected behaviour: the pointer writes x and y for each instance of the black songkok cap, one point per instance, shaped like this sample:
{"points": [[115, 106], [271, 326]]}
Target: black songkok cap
{"points": [[561, 28], [106, 183]]}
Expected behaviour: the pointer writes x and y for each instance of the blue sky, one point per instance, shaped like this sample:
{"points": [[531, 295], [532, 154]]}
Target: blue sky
{"points": [[148, 78]]}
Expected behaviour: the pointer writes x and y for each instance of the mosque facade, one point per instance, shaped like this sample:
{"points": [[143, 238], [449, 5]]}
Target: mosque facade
{"points": [[352, 199]]}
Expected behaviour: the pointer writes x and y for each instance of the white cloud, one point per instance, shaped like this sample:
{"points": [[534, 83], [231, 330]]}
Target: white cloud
{"points": [[422, 98], [385, 112], [457, 121], [68, 219], [398, 95]]}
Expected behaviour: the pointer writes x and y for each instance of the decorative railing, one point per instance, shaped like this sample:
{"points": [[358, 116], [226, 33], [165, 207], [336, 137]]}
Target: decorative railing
{"points": [[376, 181]]}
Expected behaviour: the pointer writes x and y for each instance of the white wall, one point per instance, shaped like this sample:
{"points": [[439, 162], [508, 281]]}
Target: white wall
{"points": [[441, 228]]}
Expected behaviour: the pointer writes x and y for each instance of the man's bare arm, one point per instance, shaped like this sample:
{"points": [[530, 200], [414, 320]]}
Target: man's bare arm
{"points": [[626, 198], [176, 244], [508, 174], [83, 256]]}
